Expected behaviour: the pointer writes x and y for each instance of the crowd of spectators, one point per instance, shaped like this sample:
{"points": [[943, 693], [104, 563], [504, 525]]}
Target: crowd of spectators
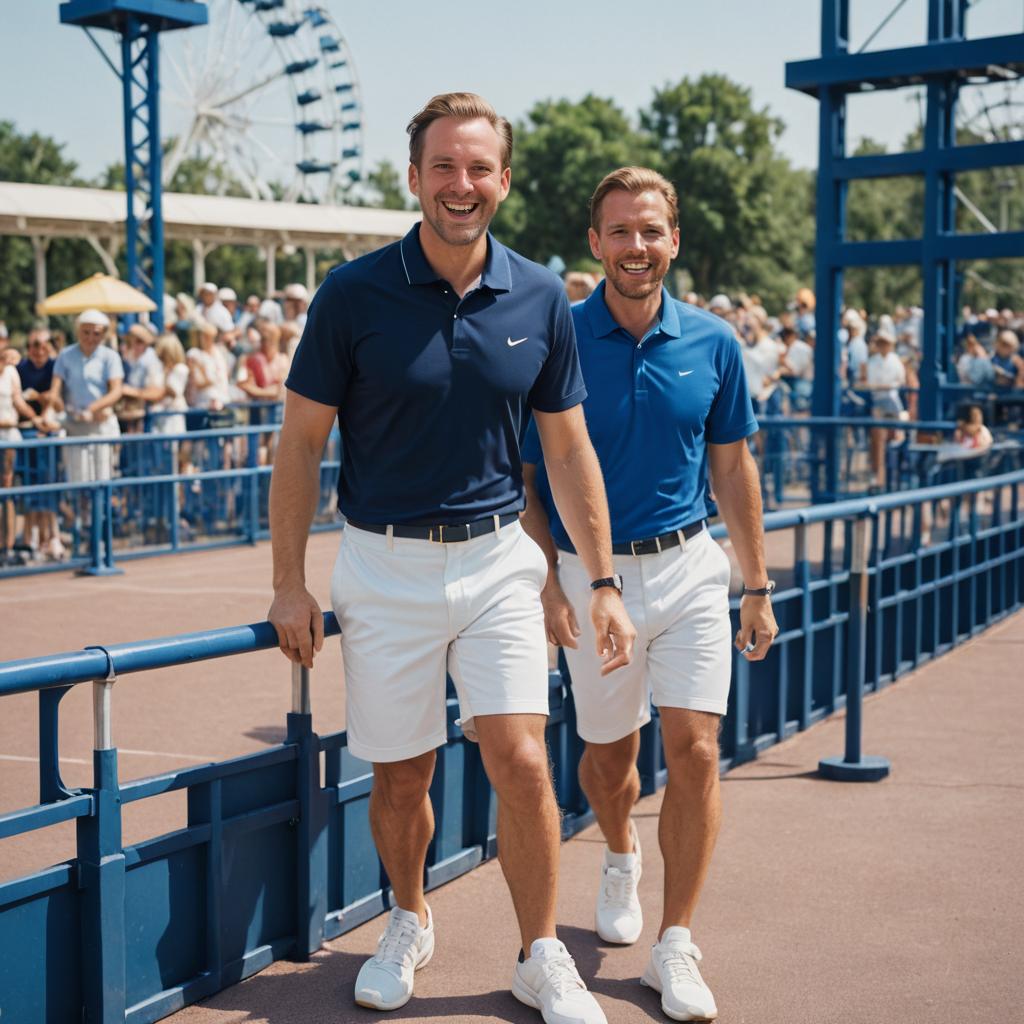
{"points": [[217, 359], [220, 357]]}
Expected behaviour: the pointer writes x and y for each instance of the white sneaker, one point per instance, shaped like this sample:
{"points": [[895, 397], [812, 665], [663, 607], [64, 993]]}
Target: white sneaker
{"points": [[548, 981], [385, 980], [618, 917], [672, 971]]}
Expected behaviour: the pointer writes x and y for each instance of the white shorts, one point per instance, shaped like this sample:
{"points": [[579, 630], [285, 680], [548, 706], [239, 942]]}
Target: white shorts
{"points": [[410, 610], [678, 600], [87, 462]]}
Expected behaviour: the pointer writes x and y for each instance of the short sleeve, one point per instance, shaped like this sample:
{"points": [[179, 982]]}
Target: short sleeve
{"points": [[732, 416], [531, 450], [322, 365], [559, 385], [60, 365], [115, 368]]}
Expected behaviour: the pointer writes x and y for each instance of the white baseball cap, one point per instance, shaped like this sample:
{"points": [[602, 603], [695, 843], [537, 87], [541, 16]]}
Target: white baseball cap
{"points": [[270, 310], [94, 317], [227, 295], [720, 301], [207, 286], [296, 291]]}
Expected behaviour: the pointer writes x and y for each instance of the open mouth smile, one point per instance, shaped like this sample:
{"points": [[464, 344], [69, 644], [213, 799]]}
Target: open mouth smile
{"points": [[635, 268], [459, 210]]}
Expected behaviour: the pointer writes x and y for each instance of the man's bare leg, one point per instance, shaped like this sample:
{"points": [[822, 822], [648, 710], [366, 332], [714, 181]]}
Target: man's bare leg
{"points": [[529, 833], [610, 780], [691, 809], [402, 822]]}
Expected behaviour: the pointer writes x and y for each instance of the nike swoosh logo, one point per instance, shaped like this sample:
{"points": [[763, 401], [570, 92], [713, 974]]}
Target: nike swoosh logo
{"points": [[685, 373], [512, 344]]}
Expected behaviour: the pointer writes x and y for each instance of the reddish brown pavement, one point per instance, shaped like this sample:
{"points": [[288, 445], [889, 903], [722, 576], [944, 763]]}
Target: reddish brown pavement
{"points": [[827, 903], [899, 901]]}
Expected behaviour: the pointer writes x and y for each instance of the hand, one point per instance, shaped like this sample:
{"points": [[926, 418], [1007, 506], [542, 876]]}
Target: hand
{"points": [[615, 633], [559, 617], [86, 416], [757, 626], [299, 623]]}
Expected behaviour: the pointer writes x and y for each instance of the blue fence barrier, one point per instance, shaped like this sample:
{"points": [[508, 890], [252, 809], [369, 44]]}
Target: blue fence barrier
{"points": [[190, 491], [824, 458], [277, 854]]}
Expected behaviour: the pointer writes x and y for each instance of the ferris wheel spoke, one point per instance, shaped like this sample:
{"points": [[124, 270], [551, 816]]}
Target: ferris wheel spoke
{"points": [[254, 88]]}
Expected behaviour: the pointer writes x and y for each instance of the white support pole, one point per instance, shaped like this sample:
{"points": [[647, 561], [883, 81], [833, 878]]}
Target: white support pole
{"points": [[200, 250], [106, 253], [270, 255], [310, 269], [39, 247]]}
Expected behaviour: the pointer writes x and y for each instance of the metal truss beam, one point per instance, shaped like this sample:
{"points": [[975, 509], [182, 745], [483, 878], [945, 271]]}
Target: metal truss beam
{"points": [[943, 64], [894, 69], [958, 160]]}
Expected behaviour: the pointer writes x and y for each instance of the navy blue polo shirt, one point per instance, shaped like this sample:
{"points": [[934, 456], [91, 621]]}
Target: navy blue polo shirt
{"points": [[651, 409], [433, 391]]}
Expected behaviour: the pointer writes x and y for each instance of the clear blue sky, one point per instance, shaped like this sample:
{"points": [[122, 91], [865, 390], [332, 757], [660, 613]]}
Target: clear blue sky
{"points": [[53, 81]]}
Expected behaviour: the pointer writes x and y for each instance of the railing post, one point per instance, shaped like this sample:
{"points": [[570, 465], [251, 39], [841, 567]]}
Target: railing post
{"points": [[854, 766], [802, 578], [102, 877], [311, 828], [101, 533]]}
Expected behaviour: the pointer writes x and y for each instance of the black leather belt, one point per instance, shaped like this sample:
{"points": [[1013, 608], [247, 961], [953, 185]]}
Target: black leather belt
{"points": [[655, 544], [444, 533]]}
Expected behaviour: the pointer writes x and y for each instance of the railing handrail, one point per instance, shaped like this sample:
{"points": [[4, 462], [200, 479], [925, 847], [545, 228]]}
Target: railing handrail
{"points": [[153, 435], [854, 421], [94, 663], [97, 663]]}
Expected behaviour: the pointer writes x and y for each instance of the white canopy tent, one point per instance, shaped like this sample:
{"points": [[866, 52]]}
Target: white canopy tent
{"points": [[44, 212]]}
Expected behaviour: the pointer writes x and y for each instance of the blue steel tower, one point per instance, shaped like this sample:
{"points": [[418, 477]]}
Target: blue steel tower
{"points": [[139, 24], [946, 61]]}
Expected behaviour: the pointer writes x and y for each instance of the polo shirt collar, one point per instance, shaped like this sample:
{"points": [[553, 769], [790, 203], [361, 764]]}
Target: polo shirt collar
{"points": [[602, 323], [497, 275]]}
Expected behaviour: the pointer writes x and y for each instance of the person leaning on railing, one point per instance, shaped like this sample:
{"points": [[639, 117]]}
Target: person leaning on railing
{"points": [[87, 377]]}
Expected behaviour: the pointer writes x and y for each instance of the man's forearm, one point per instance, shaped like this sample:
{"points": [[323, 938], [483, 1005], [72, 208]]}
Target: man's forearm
{"points": [[578, 489], [294, 490], [109, 399], [738, 494], [534, 521]]}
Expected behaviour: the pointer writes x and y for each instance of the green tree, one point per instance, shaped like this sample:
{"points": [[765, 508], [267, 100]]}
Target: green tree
{"points": [[388, 188], [562, 150], [744, 212], [37, 159]]}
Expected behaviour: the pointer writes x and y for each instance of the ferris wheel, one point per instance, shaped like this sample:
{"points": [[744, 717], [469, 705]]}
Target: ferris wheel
{"points": [[267, 94]]}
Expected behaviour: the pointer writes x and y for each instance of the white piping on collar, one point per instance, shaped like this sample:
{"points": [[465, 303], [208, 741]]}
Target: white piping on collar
{"points": [[401, 252]]}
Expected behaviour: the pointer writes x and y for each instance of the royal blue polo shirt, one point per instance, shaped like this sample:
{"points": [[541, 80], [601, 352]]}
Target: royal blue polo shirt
{"points": [[433, 391], [651, 409]]}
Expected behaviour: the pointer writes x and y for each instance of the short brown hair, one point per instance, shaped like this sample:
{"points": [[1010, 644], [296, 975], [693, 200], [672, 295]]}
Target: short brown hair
{"points": [[458, 104], [634, 180]]}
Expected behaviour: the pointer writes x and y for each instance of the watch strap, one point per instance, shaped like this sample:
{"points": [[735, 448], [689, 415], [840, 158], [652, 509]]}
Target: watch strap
{"points": [[614, 581]]}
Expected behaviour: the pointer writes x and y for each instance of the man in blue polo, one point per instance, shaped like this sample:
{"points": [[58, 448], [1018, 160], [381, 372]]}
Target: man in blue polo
{"points": [[667, 401], [430, 353]]}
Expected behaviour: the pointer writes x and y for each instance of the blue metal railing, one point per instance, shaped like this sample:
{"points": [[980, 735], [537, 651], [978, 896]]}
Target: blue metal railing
{"points": [[273, 860], [209, 488]]}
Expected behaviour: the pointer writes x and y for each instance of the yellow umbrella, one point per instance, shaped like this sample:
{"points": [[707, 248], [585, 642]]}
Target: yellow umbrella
{"points": [[101, 291]]}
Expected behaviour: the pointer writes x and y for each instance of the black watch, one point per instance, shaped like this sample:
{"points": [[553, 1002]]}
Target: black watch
{"points": [[765, 591], [608, 581]]}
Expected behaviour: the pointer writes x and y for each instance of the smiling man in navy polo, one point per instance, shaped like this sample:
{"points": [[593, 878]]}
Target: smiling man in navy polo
{"points": [[430, 353], [667, 400]]}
